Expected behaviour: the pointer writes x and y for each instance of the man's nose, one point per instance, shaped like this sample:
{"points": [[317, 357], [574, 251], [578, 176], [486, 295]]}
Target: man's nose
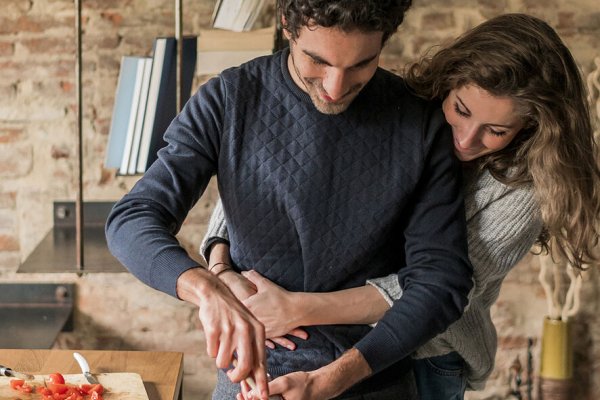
{"points": [[335, 84]]}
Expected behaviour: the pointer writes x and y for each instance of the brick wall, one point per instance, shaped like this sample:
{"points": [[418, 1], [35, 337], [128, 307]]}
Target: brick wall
{"points": [[38, 160]]}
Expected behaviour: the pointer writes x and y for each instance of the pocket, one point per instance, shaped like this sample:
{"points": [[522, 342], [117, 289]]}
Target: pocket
{"points": [[450, 364]]}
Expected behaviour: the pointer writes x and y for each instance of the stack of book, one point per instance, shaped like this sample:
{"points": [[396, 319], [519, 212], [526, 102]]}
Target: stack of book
{"points": [[237, 15], [145, 104]]}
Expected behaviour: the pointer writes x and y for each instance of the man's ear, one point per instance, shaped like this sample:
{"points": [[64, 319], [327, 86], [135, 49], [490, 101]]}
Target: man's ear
{"points": [[286, 32]]}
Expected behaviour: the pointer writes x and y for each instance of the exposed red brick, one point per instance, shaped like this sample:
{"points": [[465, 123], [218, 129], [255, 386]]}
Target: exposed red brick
{"points": [[49, 45], [106, 4], [8, 200], [102, 41], [10, 135], [26, 24], [9, 243], [7, 49], [57, 153], [16, 70], [115, 18], [67, 87], [512, 342], [16, 160]]}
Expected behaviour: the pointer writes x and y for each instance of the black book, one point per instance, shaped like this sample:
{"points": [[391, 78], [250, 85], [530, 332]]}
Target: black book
{"points": [[161, 106]]}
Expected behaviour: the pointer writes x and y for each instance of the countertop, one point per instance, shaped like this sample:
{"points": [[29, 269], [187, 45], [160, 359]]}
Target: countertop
{"points": [[162, 372]]}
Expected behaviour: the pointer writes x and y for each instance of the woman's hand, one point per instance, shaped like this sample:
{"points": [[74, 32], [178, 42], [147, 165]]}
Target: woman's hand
{"points": [[274, 307], [241, 287]]}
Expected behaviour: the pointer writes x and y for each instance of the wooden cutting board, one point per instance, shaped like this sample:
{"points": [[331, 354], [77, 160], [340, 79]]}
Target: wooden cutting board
{"points": [[117, 386]]}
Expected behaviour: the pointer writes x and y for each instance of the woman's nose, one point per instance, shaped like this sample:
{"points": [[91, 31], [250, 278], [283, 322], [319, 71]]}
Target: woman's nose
{"points": [[468, 136]]}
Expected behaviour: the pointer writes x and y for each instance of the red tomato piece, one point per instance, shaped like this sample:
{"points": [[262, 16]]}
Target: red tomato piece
{"points": [[98, 388], [90, 388], [58, 388], [16, 383], [56, 378], [96, 396], [21, 386], [44, 391]]}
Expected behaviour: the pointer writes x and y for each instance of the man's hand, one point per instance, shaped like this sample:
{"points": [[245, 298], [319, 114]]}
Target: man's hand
{"points": [[228, 326], [324, 383]]}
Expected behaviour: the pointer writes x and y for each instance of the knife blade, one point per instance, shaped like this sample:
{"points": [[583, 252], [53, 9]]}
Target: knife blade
{"points": [[5, 371], [85, 369]]}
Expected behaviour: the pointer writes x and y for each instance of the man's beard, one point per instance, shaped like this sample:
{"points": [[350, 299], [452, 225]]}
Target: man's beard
{"points": [[314, 87]]}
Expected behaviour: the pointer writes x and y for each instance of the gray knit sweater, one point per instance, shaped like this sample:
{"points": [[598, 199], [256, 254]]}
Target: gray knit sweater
{"points": [[502, 224]]}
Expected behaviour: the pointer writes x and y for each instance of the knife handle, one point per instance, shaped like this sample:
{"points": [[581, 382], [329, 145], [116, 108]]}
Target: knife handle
{"points": [[83, 364], [5, 371]]}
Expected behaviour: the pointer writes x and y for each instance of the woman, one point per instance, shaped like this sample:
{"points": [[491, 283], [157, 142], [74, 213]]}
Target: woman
{"points": [[516, 102]]}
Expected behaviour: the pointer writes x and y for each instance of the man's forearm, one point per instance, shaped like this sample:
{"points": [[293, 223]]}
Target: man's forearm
{"points": [[337, 377]]}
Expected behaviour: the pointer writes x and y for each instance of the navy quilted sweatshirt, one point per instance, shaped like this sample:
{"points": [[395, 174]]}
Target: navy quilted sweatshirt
{"points": [[313, 202]]}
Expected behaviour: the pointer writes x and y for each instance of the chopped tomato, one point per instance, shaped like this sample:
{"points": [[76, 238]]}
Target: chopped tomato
{"points": [[21, 386], [56, 378], [54, 390], [87, 388], [58, 388], [96, 396], [44, 391], [15, 383]]}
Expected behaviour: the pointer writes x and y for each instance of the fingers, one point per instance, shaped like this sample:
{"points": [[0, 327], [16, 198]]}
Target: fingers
{"points": [[243, 366], [299, 333], [260, 375], [284, 342], [245, 389], [225, 352], [251, 365], [212, 342], [257, 279]]}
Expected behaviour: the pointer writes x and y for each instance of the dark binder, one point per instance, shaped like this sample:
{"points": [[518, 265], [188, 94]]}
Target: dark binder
{"points": [[161, 106]]}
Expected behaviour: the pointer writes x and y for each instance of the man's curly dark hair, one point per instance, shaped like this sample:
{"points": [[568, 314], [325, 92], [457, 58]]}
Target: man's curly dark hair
{"points": [[365, 15]]}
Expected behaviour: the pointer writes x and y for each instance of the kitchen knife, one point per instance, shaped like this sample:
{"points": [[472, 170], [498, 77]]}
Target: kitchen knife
{"points": [[85, 368], [5, 371]]}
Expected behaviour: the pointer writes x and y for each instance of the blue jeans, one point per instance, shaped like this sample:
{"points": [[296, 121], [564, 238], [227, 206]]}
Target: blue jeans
{"points": [[441, 378]]}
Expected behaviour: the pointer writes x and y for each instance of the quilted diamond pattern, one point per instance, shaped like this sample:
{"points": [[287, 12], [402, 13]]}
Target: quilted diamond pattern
{"points": [[314, 202]]}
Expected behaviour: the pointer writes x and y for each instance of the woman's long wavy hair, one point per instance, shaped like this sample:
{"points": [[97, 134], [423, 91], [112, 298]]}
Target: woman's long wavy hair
{"points": [[365, 15], [521, 57]]}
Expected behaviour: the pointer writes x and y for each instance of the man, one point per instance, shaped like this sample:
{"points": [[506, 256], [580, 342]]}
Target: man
{"points": [[325, 164]]}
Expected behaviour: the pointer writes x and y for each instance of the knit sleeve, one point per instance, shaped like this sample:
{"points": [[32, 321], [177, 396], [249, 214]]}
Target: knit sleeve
{"points": [[503, 223], [437, 278], [388, 287], [141, 228], [216, 232]]}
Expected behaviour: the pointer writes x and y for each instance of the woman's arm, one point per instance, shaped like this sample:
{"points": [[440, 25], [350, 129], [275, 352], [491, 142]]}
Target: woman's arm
{"points": [[281, 310]]}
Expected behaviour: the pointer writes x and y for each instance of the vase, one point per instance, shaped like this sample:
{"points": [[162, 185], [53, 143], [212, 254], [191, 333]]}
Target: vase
{"points": [[556, 360]]}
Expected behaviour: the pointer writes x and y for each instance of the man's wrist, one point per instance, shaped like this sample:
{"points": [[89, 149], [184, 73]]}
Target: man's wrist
{"points": [[192, 283], [338, 376]]}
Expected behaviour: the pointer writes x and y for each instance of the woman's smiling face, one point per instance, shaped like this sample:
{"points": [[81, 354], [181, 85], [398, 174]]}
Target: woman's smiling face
{"points": [[481, 123]]}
